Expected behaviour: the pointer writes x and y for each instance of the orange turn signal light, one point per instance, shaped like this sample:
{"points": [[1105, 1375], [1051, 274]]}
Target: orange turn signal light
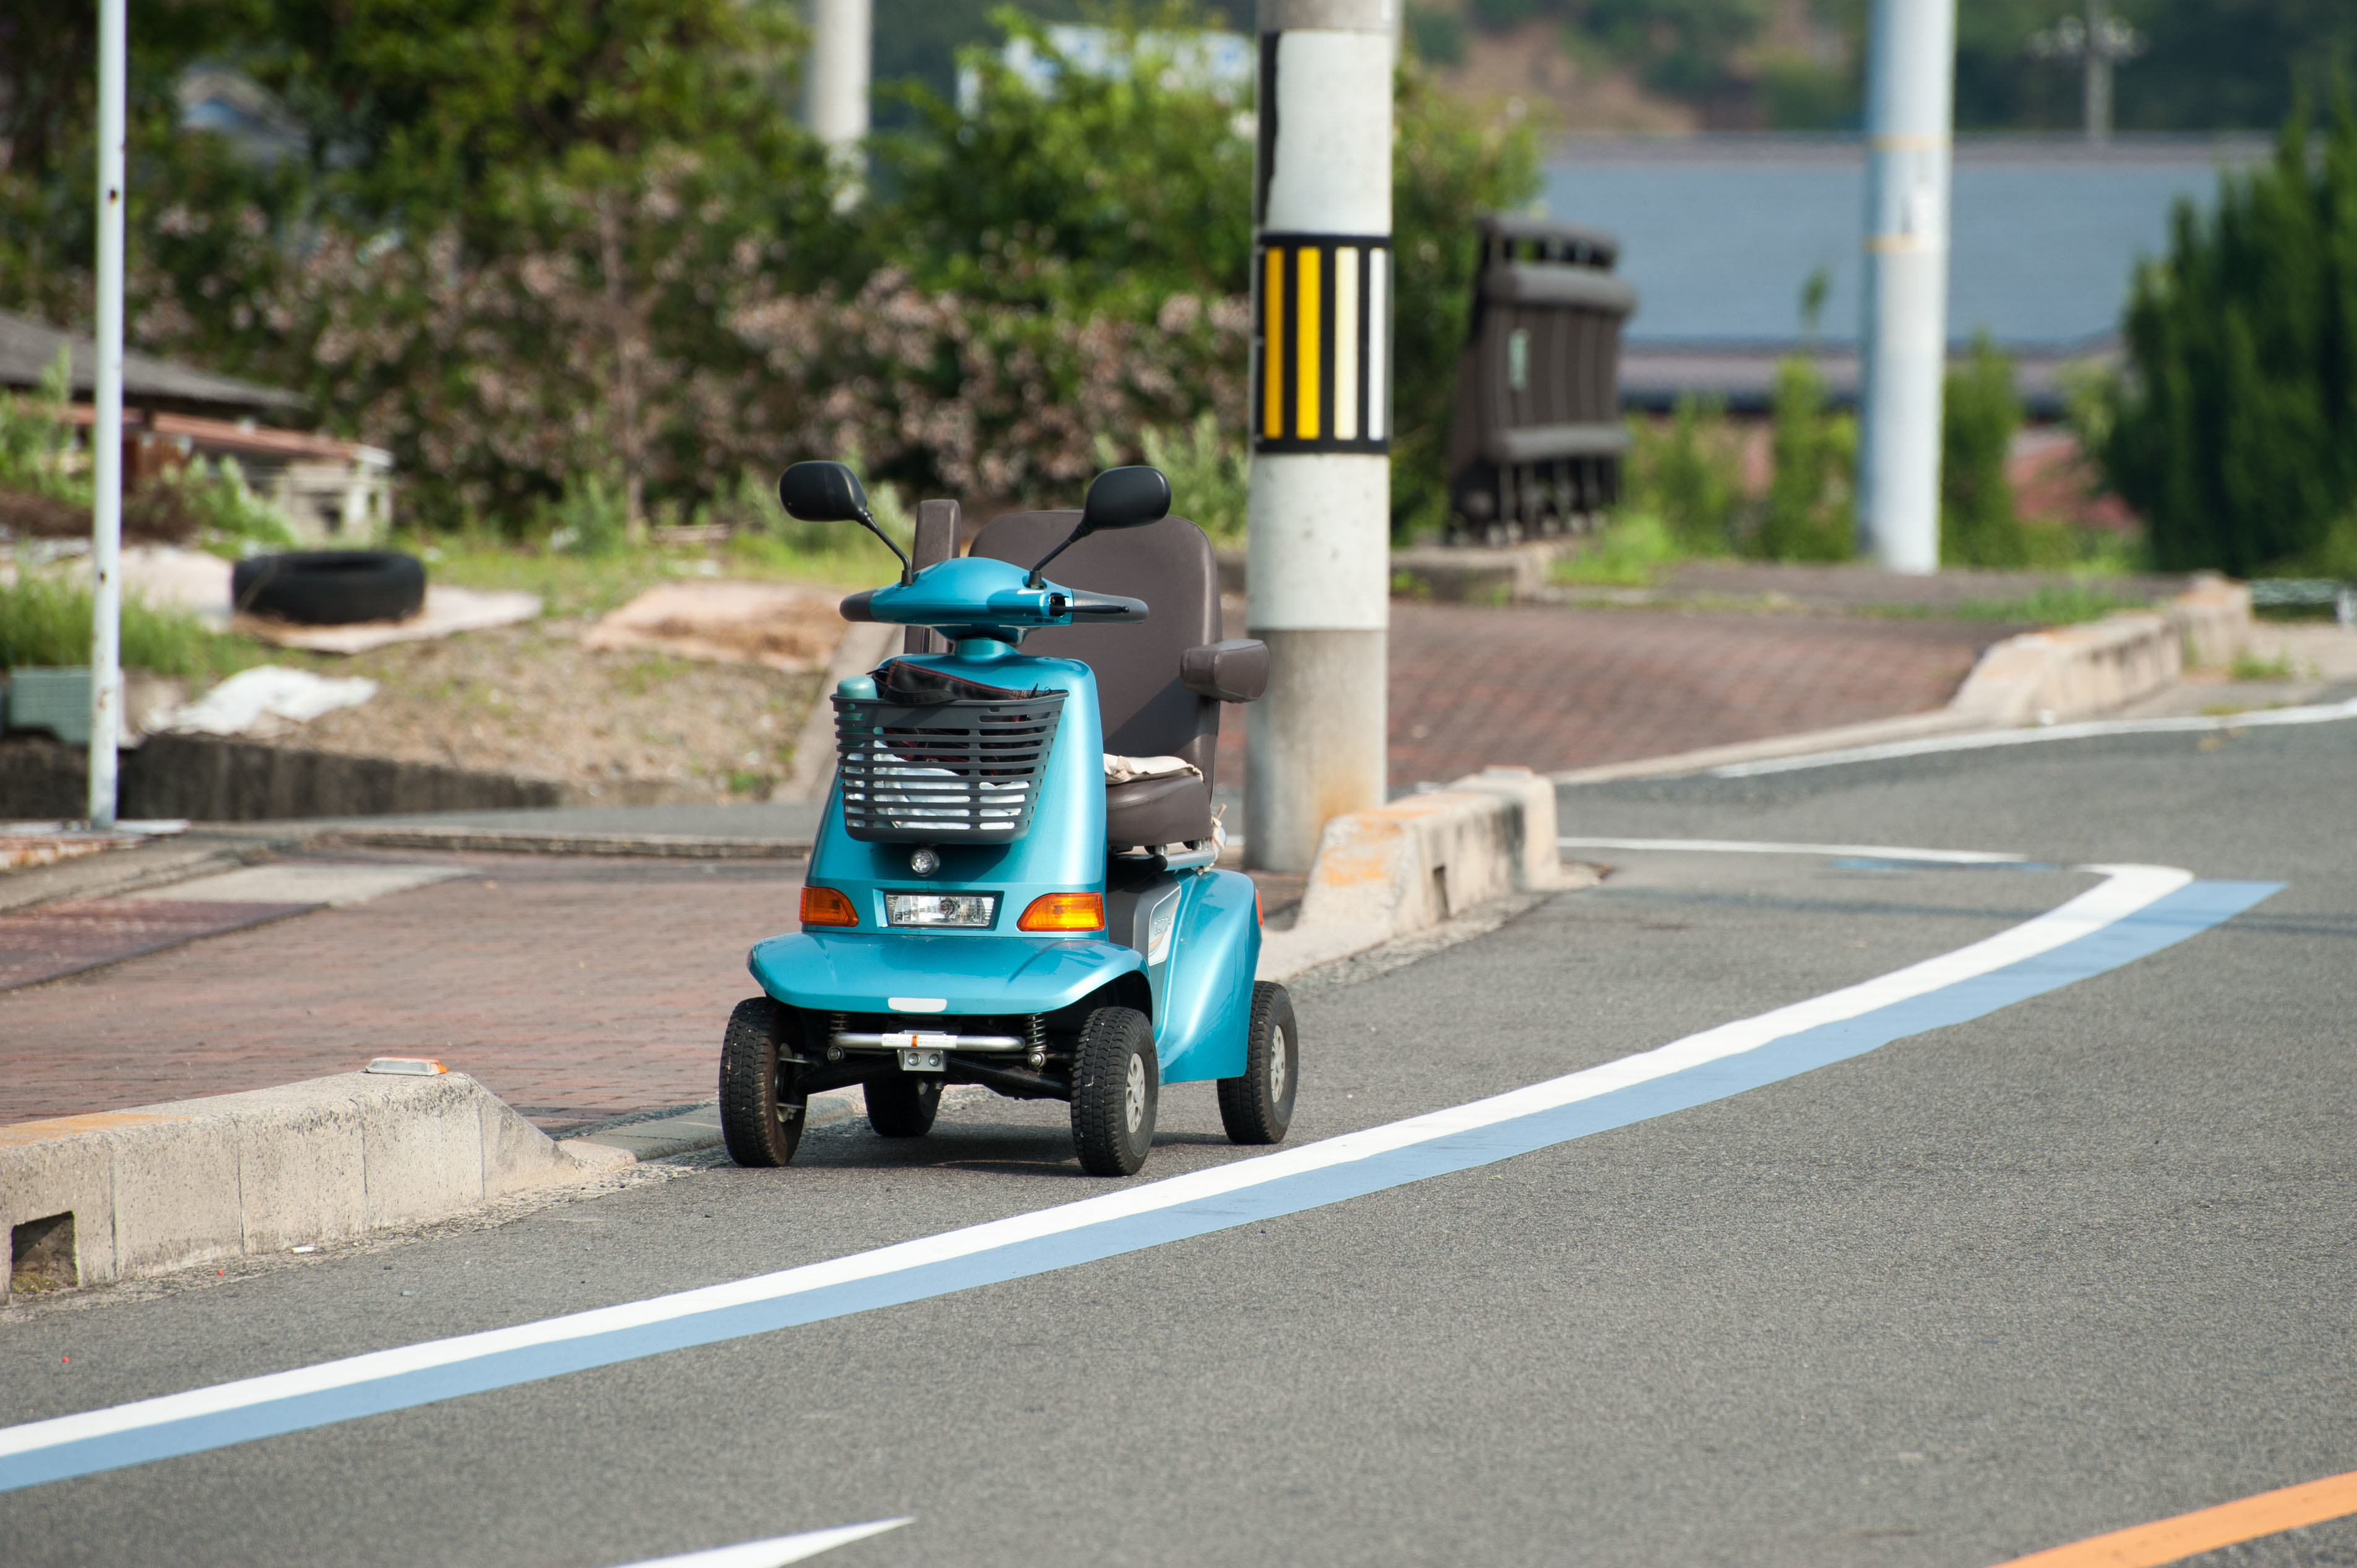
{"points": [[825, 907], [1064, 912]]}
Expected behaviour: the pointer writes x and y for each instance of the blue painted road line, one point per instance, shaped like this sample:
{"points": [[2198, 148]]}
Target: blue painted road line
{"points": [[2138, 911]]}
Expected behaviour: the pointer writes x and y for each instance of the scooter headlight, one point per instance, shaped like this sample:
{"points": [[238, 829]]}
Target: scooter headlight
{"points": [[968, 909]]}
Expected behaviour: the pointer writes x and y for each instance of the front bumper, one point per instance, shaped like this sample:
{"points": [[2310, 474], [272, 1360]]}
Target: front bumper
{"points": [[914, 975]]}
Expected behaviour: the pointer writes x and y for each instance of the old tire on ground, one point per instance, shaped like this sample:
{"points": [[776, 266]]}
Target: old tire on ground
{"points": [[761, 1110], [1257, 1107], [903, 1106], [1116, 1083], [330, 587]]}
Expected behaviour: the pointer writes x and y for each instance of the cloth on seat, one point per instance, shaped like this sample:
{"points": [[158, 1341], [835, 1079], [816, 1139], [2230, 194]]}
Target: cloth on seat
{"points": [[1121, 769]]}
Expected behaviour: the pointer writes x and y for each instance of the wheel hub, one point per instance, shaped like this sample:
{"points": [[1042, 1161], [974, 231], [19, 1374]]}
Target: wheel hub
{"points": [[1136, 1097]]}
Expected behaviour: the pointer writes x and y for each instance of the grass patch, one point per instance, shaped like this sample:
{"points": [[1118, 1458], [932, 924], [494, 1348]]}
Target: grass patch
{"points": [[2050, 605], [1633, 552], [582, 586], [2249, 666], [45, 620]]}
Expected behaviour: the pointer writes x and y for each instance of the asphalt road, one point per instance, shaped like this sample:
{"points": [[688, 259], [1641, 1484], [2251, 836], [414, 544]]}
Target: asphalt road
{"points": [[2087, 1262]]}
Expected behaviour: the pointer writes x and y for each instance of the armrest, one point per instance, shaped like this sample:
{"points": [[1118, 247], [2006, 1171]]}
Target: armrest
{"points": [[1235, 671]]}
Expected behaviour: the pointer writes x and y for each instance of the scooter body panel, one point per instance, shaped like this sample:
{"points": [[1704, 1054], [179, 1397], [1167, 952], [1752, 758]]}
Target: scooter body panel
{"points": [[952, 975], [1063, 853], [1203, 1001]]}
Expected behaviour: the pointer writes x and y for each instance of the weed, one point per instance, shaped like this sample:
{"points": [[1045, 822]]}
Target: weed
{"points": [[2249, 666], [1630, 553], [46, 620]]}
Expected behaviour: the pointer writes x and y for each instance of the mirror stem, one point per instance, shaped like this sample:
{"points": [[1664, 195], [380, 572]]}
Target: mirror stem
{"points": [[1036, 578], [908, 567]]}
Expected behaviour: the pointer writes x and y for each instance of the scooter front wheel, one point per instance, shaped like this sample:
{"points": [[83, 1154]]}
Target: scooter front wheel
{"points": [[1115, 1084], [761, 1111]]}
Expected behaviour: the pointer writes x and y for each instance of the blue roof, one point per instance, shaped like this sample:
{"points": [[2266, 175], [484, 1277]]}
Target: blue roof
{"points": [[1720, 233]]}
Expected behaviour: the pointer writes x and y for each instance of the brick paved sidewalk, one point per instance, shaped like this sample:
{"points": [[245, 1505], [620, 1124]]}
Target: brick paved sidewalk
{"points": [[576, 989], [1555, 688]]}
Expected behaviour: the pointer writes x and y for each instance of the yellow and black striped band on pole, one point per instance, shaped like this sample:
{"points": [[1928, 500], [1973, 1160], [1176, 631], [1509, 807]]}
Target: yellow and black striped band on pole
{"points": [[1322, 343]]}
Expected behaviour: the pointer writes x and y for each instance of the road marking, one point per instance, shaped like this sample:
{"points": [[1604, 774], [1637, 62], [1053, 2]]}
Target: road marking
{"points": [[1748, 846], [2265, 718], [2204, 1529], [775, 1552], [2134, 912]]}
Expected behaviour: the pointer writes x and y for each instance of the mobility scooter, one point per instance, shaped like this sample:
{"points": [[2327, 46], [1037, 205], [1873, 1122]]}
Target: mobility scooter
{"points": [[1014, 882]]}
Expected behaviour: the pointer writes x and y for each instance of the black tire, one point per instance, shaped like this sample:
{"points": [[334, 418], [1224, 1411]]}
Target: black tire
{"points": [[761, 1110], [1115, 1084], [1257, 1107], [904, 1107], [330, 587]]}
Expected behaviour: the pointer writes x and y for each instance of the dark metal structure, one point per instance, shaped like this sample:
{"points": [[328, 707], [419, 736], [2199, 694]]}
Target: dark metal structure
{"points": [[1535, 444]]}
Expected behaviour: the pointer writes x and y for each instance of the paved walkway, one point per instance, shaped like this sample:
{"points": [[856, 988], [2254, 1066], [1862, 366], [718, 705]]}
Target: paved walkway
{"points": [[1554, 688], [575, 988]]}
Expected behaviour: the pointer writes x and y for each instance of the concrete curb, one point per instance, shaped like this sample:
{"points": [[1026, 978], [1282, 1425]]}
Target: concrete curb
{"points": [[164, 1187], [2039, 677], [1419, 862], [520, 841]]}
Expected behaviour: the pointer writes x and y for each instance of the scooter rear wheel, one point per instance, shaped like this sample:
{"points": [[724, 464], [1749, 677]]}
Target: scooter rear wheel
{"points": [[1116, 1083], [1257, 1107], [761, 1110]]}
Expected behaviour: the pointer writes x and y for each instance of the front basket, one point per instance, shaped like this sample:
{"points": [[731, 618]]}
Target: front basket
{"points": [[955, 772]]}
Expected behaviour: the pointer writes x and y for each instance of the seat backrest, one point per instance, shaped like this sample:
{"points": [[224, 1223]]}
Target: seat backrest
{"points": [[1169, 564]]}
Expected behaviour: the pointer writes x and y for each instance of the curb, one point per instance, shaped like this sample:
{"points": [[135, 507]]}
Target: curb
{"points": [[1420, 862], [522, 841], [125, 1194], [2038, 676]]}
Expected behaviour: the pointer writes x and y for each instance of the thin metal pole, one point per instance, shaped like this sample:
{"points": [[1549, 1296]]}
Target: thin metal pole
{"points": [[2098, 62], [1320, 517], [1911, 76], [106, 427], [835, 95]]}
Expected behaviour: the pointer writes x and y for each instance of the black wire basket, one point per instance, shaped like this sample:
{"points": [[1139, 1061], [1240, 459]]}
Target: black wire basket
{"points": [[954, 772]]}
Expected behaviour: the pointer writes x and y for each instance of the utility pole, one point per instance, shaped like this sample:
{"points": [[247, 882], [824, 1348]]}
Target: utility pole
{"points": [[1320, 542], [106, 427], [843, 38], [1910, 84], [2097, 90]]}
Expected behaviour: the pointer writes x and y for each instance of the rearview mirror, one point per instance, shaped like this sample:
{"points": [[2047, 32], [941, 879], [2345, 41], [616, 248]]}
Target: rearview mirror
{"points": [[830, 492], [1118, 497], [822, 493], [1125, 498]]}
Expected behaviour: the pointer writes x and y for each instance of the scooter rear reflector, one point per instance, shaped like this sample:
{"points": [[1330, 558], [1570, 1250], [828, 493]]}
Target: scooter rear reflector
{"points": [[1065, 912], [825, 907], [941, 908], [962, 771]]}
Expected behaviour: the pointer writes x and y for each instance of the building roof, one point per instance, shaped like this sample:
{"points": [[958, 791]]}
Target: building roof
{"points": [[27, 349], [1720, 233]]}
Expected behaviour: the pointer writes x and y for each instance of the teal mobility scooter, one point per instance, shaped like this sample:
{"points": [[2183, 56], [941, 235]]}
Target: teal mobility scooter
{"points": [[1014, 883]]}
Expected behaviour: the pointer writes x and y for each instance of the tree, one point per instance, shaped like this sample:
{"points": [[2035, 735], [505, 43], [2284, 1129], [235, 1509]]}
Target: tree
{"points": [[1979, 412], [2235, 431]]}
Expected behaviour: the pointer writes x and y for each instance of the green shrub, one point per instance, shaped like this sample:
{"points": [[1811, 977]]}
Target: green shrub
{"points": [[1210, 476], [44, 621], [1689, 476], [1631, 550], [1978, 414], [1807, 516], [2235, 434]]}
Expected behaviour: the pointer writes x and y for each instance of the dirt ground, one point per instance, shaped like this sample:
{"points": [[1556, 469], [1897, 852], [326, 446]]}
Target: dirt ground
{"points": [[530, 700]]}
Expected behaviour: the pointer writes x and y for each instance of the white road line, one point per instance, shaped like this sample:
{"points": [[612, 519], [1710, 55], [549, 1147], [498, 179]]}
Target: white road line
{"points": [[2317, 714], [775, 1552], [2124, 890], [1747, 846]]}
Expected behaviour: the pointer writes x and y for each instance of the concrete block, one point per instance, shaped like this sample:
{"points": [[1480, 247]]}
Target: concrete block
{"points": [[422, 1147], [176, 1195], [2213, 619], [303, 1176], [2072, 672], [62, 1166], [516, 1155]]}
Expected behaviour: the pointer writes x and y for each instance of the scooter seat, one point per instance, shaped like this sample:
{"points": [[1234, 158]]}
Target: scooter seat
{"points": [[1156, 812]]}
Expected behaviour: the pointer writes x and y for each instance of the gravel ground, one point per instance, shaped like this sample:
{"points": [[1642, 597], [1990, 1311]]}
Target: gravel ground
{"points": [[528, 700]]}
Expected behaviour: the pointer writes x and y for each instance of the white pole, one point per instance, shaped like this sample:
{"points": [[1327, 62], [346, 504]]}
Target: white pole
{"points": [[1910, 74], [835, 92], [1320, 517], [2098, 67], [106, 428]]}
